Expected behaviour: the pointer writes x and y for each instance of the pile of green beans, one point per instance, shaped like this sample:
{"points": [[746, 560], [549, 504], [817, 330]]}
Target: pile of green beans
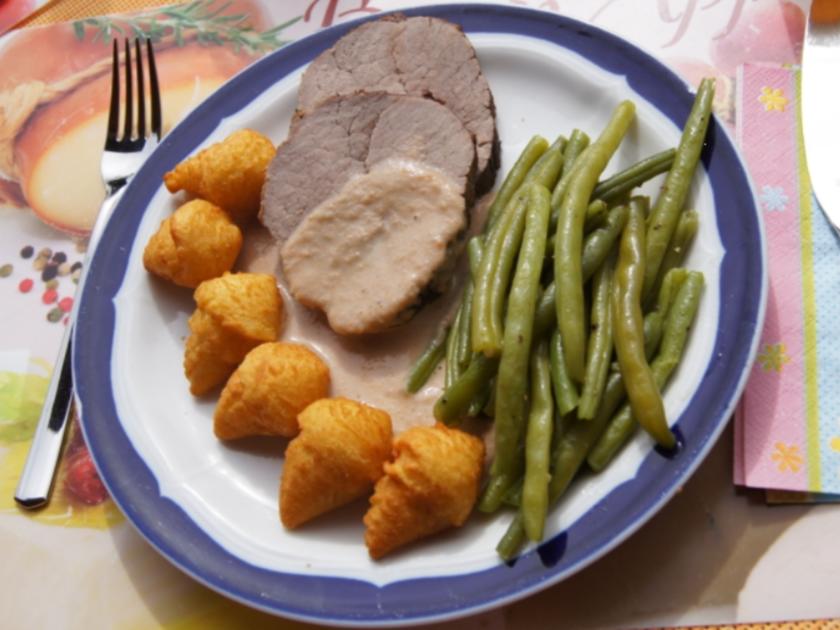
{"points": [[575, 314]]}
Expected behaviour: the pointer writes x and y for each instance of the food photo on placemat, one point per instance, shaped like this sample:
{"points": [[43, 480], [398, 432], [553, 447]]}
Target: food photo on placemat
{"points": [[372, 338]]}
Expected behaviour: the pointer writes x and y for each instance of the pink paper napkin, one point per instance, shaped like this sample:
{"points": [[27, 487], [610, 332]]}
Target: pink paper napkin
{"points": [[788, 422]]}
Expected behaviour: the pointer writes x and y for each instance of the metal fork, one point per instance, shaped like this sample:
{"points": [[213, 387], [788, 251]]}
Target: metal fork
{"points": [[121, 159]]}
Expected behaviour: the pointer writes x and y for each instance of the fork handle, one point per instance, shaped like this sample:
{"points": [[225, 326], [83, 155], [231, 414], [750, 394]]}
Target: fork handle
{"points": [[35, 483], [36, 480]]}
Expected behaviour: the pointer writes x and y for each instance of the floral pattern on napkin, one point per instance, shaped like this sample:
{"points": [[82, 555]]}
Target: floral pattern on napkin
{"points": [[788, 425]]}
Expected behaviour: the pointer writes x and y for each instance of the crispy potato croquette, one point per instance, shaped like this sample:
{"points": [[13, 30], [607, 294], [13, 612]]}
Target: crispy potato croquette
{"points": [[229, 173], [272, 385], [336, 458], [197, 243], [431, 485], [234, 314]]}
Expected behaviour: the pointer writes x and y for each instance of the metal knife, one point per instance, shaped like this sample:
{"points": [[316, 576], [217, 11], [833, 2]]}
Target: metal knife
{"points": [[820, 104]]}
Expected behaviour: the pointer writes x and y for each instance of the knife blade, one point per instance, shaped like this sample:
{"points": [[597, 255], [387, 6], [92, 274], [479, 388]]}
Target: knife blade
{"points": [[820, 104]]}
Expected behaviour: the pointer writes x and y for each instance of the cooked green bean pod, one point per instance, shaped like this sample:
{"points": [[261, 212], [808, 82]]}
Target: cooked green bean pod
{"points": [[451, 368], [625, 181], [499, 252], [463, 342], [686, 230], [454, 403], [475, 250], [645, 399], [534, 502], [512, 381], [598, 245], [669, 204], [569, 237], [569, 452], [565, 391], [677, 324], [578, 143], [530, 154], [599, 352], [427, 362]]}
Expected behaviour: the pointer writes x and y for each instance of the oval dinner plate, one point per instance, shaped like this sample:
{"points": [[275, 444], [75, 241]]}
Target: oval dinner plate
{"points": [[211, 508]]}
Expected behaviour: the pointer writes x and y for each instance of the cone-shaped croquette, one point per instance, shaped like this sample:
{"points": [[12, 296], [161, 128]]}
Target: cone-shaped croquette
{"points": [[229, 173], [431, 485], [234, 313], [336, 458], [272, 385]]}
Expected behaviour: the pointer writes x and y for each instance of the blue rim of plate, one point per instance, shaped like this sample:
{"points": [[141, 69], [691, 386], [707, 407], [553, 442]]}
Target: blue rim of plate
{"points": [[352, 602]]}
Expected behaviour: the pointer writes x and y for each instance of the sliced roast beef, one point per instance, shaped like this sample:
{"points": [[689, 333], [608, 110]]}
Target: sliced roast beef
{"points": [[346, 136], [367, 255], [422, 56]]}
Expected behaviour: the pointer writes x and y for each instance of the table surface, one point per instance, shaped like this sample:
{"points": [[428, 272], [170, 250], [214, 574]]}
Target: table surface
{"points": [[713, 555]]}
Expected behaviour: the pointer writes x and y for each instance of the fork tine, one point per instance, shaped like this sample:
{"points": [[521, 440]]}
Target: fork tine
{"points": [[155, 91], [114, 108], [141, 93], [129, 97]]}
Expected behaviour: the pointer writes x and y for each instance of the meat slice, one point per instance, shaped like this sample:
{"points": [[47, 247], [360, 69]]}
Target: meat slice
{"points": [[366, 255], [422, 56], [346, 136]]}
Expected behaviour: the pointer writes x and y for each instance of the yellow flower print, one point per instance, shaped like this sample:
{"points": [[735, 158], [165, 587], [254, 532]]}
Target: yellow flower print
{"points": [[835, 444], [773, 357], [787, 457], [773, 99]]}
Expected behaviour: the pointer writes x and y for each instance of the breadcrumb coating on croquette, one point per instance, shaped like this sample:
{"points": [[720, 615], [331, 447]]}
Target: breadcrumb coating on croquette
{"points": [[229, 173], [430, 485], [197, 243], [235, 313], [335, 459], [272, 385]]}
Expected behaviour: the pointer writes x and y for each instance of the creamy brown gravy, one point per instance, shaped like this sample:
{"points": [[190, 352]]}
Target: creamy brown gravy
{"points": [[368, 368], [365, 254]]}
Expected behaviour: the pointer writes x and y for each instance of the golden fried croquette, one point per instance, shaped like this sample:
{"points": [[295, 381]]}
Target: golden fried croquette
{"points": [[431, 484], [197, 243], [336, 458], [234, 314], [229, 173], [272, 385]]}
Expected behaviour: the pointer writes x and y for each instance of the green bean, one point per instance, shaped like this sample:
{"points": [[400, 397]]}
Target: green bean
{"points": [[566, 458], [495, 264], [456, 399], [451, 373], [600, 348], [642, 391], [501, 278], [512, 381], [653, 327], [546, 314], [565, 391], [534, 504], [596, 216], [598, 245], [670, 286], [571, 449], [625, 181], [569, 238], [684, 234], [530, 154], [547, 169], [679, 320], [578, 142], [463, 342], [669, 203], [427, 362], [475, 250]]}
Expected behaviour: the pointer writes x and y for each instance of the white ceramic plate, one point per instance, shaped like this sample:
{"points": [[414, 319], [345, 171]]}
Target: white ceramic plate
{"points": [[211, 508]]}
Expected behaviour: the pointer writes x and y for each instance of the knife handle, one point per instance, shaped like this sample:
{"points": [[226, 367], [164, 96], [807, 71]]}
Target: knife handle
{"points": [[36, 480]]}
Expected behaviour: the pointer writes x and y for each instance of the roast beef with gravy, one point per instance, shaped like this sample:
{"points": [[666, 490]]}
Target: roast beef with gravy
{"points": [[421, 56], [346, 136]]}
